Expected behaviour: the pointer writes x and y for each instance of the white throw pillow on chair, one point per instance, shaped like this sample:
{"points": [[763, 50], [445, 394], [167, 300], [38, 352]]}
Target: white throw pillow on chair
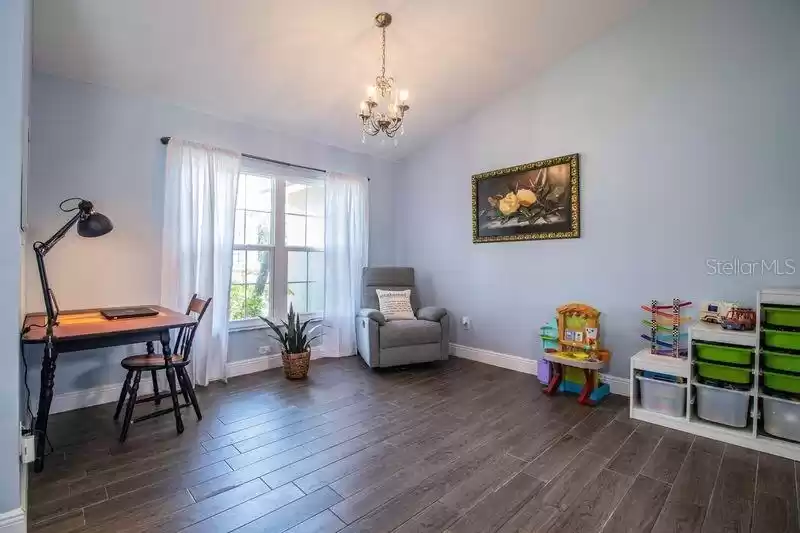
{"points": [[395, 305]]}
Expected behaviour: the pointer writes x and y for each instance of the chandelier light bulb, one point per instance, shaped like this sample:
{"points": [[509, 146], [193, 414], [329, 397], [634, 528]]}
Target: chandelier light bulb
{"points": [[403, 95], [371, 92]]}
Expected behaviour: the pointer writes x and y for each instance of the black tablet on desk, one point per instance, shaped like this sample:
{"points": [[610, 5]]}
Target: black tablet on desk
{"points": [[128, 312]]}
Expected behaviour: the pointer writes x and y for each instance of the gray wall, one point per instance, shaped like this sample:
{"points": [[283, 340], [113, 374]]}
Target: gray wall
{"points": [[103, 145], [14, 67], [687, 119]]}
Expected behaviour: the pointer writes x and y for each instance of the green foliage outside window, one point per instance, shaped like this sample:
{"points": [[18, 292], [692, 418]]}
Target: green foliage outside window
{"points": [[249, 303]]}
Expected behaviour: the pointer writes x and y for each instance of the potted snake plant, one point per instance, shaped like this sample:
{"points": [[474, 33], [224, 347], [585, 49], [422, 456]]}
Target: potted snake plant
{"points": [[295, 340]]}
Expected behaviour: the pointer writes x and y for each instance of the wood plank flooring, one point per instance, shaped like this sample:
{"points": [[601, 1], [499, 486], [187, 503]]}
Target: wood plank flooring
{"points": [[457, 447]]}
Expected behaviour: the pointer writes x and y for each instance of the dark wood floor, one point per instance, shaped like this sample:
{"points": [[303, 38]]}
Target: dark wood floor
{"points": [[458, 447]]}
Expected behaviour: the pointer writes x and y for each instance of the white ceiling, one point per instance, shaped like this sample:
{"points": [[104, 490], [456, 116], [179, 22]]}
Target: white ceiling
{"points": [[302, 66]]}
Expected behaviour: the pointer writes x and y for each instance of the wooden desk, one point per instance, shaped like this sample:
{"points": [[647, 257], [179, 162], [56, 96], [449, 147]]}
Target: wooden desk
{"points": [[88, 329]]}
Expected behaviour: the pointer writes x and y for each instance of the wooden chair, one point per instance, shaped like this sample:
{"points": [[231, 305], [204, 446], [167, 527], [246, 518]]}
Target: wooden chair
{"points": [[152, 362]]}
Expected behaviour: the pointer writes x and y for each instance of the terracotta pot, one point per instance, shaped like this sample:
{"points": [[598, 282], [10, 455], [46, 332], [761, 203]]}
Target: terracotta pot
{"points": [[295, 365]]}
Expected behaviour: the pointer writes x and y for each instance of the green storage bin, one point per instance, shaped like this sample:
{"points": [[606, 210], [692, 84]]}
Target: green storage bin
{"points": [[781, 316], [774, 338], [781, 361], [734, 355], [783, 382], [729, 374]]}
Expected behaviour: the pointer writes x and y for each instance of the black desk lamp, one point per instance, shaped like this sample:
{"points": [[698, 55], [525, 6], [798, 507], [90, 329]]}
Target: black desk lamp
{"points": [[90, 224]]}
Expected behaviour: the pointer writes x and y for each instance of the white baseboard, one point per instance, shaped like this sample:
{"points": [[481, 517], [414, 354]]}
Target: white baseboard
{"points": [[13, 521], [511, 362], [251, 366], [69, 401], [266, 362], [618, 385], [525, 365]]}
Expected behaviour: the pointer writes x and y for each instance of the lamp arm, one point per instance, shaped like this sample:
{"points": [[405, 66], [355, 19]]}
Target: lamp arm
{"points": [[48, 302], [41, 249], [44, 247]]}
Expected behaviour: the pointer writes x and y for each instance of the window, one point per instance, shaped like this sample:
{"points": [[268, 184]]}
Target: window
{"points": [[253, 248], [305, 241], [278, 250]]}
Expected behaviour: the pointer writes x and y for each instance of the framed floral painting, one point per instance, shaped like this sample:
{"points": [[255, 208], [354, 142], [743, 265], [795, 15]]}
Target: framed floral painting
{"points": [[533, 201]]}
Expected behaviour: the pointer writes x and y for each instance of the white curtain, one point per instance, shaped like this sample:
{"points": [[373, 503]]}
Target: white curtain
{"points": [[197, 245], [346, 245]]}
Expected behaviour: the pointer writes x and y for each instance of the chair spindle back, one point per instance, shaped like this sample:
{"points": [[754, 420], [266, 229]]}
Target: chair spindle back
{"points": [[183, 343]]}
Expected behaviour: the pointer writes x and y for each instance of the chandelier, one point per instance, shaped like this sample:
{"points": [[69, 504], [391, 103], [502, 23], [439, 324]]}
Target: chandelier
{"points": [[390, 120]]}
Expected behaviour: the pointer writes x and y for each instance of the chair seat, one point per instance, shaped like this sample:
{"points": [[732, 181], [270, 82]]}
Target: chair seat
{"points": [[397, 333], [150, 362]]}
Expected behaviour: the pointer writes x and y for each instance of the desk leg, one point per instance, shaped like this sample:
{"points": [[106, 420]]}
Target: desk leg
{"points": [[151, 351], [134, 392], [48, 376], [171, 379]]}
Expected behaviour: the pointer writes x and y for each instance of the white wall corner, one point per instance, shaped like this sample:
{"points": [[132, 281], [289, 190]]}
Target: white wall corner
{"points": [[13, 521], [23, 484], [320, 352], [526, 365]]}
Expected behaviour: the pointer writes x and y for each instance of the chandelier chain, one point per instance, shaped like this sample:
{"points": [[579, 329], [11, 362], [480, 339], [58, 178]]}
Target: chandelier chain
{"points": [[383, 52]]}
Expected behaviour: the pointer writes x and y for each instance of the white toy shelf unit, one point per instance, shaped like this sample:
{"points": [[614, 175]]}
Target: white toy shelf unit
{"points": [[739, 387]]}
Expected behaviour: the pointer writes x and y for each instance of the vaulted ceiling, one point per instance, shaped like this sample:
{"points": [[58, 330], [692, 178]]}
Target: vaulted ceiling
{"points": [[302, 66]]}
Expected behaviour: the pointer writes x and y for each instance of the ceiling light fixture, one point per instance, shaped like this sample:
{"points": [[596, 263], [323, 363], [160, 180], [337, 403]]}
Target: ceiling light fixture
{"points": [[391, 121]]}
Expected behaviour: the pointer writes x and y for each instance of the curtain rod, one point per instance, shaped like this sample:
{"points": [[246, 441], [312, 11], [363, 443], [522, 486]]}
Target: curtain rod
{"points": [[165, 140]]}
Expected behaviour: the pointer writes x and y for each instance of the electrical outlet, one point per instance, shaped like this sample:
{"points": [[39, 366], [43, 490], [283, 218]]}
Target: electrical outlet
{"points": [[466, 322], [27, 450], [263, 350]]}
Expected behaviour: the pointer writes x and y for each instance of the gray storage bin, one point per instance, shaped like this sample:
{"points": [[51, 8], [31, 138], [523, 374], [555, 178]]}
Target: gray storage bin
{"points": [[662, 396], [723, 406], [782, 418]]}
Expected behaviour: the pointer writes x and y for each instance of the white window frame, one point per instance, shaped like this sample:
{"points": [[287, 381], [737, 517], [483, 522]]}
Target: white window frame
{"points": [[279, 281]]}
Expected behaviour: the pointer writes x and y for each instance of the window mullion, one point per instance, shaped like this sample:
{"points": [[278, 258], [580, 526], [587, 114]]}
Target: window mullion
{"points": [[281, 260]]}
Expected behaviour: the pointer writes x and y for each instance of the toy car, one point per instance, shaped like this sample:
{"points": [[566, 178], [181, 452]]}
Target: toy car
{"points": [[715, 312], [740, 319]]}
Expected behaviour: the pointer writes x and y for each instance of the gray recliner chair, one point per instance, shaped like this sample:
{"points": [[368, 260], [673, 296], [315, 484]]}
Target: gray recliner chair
{"points": [[383, 343]]}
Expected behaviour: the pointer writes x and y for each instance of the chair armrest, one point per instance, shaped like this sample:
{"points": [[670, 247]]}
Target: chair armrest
{"points": [[433, 314], [373, 314]]}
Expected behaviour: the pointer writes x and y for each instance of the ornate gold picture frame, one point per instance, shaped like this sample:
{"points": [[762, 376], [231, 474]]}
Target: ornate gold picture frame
{"points": [[527, 202]]}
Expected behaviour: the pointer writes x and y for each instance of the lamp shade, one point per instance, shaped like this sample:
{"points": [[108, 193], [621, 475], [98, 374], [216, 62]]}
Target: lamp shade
{"points": [[94, 225]]}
